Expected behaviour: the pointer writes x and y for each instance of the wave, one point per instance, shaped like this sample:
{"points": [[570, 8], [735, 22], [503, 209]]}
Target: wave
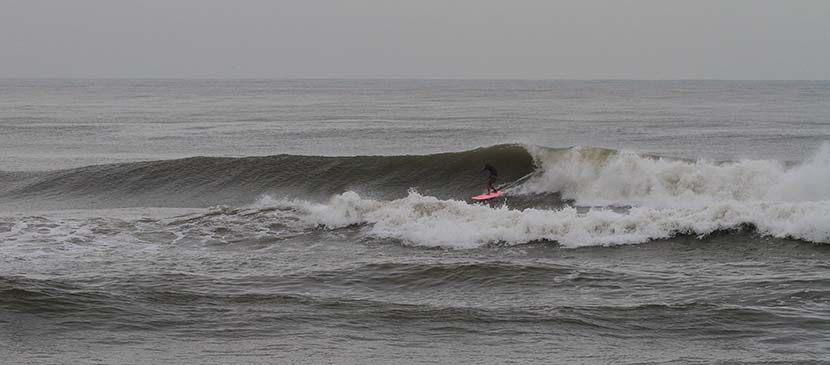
{"points": [[134, 307], [534, 176], [206, 181], [49, 296], [661, 198], [613, 197]]}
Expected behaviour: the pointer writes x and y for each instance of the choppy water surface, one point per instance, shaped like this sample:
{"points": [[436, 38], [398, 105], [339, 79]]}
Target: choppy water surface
{"points": [[231, 222]]}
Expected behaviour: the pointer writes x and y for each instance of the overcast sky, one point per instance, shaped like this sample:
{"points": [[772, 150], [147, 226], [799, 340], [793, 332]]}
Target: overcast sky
{"points": [[550, 39]]}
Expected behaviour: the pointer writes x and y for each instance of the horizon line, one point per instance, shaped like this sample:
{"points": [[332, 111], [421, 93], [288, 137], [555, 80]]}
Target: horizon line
{"points": [[394, 79]]}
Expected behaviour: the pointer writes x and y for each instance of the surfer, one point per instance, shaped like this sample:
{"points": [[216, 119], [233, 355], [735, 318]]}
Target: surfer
{"points": [[492, 178]]}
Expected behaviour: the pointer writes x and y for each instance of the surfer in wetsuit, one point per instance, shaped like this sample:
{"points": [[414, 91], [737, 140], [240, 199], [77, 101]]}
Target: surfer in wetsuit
{"points": [[492, 178]]}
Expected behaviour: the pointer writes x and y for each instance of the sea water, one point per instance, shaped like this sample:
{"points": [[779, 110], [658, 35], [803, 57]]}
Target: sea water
{"points": [[267, 221]]}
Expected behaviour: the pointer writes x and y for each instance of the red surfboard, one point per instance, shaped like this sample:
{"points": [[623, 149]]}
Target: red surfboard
{"points": [[488, 196]]}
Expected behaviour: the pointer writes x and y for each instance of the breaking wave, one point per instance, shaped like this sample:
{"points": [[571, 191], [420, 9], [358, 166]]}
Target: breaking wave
{"points": [[600, 177], [578, 196], [660, 198]]}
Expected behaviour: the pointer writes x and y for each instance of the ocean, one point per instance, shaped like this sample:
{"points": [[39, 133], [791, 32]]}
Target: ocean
{"points": [[329, 221]]}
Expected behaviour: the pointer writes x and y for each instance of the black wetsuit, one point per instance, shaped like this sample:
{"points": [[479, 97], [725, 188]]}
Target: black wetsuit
{"points": [[492, 178]]}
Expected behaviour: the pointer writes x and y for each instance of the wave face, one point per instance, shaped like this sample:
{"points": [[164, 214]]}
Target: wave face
{"points": [[206, 181], [575, 197]]}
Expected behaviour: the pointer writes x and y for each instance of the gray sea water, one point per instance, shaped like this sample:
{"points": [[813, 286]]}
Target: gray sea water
{"points": [[329, 221]]}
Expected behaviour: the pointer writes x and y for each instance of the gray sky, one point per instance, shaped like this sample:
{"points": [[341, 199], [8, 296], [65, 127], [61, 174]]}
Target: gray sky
{"points": [[585, 39]]}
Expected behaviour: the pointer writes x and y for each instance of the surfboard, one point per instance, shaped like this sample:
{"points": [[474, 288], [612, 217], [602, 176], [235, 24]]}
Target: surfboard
{"points": [[488, 196]]}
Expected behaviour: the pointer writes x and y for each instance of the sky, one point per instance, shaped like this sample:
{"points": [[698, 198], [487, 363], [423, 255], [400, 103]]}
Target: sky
{"points": [[522, 39]]}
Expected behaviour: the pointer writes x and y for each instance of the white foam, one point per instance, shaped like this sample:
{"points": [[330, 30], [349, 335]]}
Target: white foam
{"points": [[595, 177], [428, 221], [807, 182]]}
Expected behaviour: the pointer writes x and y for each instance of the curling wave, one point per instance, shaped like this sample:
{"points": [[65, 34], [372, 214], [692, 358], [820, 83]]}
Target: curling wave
{"points": [[611, 197], [660, 198], [207, 181]]}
